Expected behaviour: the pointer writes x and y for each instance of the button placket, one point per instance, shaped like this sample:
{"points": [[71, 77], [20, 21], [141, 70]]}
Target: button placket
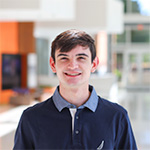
{"points": [[77, 131], [77, 128]]}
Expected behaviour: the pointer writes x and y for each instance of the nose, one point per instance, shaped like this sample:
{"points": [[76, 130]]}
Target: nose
{"points": [[72, 65]]}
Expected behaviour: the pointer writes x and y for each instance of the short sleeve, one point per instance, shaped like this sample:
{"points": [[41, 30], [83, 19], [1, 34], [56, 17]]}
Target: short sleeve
{"points": [[23, 137], [125, 138]]}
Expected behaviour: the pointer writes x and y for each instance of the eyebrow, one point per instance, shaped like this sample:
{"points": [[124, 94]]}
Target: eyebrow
{"points": [[61, 55], [80, 54]]}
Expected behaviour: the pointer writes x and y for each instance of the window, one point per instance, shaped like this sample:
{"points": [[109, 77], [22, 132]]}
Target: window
{"points": [[146, 68], [135, 7], [120, 61], [42, 56], [121, 38], [140, 36], [132, 70]]}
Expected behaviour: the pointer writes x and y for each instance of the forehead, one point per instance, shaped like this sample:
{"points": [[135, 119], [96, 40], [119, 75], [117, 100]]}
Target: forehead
{"points": [[77, 49]]}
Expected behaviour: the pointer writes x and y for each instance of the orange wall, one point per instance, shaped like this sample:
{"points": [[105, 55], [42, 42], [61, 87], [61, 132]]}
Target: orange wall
{"points": [[8, 44], [9, 37], [15, 38]]}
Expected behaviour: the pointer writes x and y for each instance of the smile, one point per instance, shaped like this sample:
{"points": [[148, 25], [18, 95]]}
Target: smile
{"points": [[73, 74]]}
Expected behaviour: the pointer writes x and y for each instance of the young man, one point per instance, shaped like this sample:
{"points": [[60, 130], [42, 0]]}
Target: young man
{"points": [[75, 117]]}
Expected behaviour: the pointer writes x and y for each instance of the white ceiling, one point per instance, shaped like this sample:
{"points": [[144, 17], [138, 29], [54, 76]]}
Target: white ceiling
{"points": [[96, 15]]}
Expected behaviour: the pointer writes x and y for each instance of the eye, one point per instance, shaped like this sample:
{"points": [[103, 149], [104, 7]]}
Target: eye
{"points": [[81, 58], [63, 58]]}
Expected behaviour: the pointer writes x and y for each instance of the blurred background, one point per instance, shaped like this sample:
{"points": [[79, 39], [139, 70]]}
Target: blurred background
{"points": [[121, 30]]}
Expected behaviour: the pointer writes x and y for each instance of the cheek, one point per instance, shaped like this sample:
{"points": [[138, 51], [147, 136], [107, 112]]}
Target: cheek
{"points": [[59, 65], [87, 67]]}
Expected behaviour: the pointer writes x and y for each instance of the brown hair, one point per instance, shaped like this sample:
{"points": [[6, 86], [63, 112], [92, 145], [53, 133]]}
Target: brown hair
{"points": [[69, 39]]}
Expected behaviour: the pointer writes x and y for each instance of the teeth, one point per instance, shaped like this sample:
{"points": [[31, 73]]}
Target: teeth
{"points": [[73, 74]]}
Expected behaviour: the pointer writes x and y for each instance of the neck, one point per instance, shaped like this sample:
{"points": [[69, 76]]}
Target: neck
{"points": [[76, 96]]}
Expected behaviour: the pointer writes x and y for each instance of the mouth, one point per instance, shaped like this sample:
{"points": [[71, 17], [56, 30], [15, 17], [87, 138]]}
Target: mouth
{"points": [[72, 74]]}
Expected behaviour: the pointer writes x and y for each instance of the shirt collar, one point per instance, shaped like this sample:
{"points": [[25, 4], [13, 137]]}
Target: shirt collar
{"points": [[61, 103]]}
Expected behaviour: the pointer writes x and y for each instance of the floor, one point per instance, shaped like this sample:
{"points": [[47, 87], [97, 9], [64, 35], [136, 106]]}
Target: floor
{"points": [[9, 118], [4, 108], [137, 103]]}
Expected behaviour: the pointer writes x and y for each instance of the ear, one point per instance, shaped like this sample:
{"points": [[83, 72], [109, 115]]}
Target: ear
{"points": [[52, 64], [95, 64]]}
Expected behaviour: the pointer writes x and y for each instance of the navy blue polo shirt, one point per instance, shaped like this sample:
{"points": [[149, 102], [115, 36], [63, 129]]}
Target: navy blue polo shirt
{"points": [[98, 124]]}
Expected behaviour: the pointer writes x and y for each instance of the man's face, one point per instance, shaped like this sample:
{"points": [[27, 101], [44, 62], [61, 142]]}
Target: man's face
{"points": [[73, 68]]}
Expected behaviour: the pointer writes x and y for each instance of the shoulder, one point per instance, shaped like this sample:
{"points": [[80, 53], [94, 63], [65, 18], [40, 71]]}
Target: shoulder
{"points": [[113, 113], [111, 107], [39, 107]]}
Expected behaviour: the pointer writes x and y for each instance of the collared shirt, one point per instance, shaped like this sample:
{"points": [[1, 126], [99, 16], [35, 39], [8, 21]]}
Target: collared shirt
{"points": [[98, 124], [61, 103]]}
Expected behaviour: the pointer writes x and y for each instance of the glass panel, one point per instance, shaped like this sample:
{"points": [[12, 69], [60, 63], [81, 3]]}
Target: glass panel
{"points": [[146, 68], [133, 76], [42, 56], [120, 61], [135, 7], [132, 58], [121, 38], [146, 58], [119, 66], [141, 6], [140, 35]]}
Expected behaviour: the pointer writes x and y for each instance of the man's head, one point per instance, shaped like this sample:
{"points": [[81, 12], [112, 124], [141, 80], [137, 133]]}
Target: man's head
{"points": [[73, 58], [69, 39]]}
